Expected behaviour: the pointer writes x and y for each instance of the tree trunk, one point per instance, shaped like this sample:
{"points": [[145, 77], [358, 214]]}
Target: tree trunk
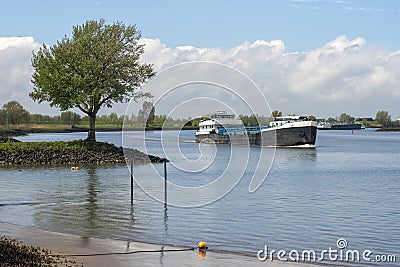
{"points": [[92, 128]]}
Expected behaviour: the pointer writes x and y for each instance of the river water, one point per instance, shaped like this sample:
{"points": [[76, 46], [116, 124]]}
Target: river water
{"points": [[346, 188]]}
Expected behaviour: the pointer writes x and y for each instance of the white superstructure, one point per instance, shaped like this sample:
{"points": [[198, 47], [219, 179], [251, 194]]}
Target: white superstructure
{"points": [[289, 122], [219, 123]]}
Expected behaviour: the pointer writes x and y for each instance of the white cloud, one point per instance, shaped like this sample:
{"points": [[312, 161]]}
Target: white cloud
{"points": [[337, 1], [364, 9], [340, 76], [16, 70]]}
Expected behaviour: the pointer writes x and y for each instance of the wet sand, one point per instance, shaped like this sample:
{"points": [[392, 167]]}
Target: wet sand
{"points": [[77, 245]]}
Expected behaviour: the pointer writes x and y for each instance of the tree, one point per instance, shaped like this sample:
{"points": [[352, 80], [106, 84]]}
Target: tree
{"points": [[98, 66], [146, 114], [345, 118], [276, 113], [383, 118], [36, 118], [311, 118], [70, 118], [15, 113]]}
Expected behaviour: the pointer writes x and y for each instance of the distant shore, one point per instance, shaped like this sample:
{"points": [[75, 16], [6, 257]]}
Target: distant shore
{"points": [[22, 132], [394, 129]]}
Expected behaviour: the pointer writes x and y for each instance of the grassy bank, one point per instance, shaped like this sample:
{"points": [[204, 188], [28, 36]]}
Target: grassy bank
{"points": [[58, 145], [69, 153]]}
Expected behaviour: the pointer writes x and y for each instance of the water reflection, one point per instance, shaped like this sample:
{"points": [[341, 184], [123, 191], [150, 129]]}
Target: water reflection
{"points": [[165, 221], [74, 200], [132, 215], [162, 256], [295, 154], [92, 190]]}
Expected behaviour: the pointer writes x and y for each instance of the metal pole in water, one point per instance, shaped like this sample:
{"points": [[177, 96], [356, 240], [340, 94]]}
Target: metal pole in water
{"points": [[132, 180], [165, 183]]}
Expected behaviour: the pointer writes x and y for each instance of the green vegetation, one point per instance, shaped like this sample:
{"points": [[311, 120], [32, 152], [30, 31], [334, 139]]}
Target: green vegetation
{"points": [[57, 145], [383, 118], [70, 118], [13, 113], [311, 118], [345, 118], [21, 121], [276, 113], [98, 66], [253, 120], [66, 153], [13, 253]]}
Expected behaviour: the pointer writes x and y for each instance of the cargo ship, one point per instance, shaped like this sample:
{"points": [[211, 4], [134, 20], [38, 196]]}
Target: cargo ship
{"points": [[223, 128]]}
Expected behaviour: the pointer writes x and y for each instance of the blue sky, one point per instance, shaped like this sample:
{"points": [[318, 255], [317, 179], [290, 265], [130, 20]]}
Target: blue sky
{"points": [[302, 24], [320, 57]]}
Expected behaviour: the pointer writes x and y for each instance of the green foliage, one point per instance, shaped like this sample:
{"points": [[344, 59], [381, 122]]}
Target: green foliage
{"points": [[98, 66], [60, 145], [249, 120], [346, 118], [194, 123], [311, 118], [70, 118], [15, 112], [110, 119], [276, 113], [383, 118], [40, 118], [253, 120], [159, 120]]}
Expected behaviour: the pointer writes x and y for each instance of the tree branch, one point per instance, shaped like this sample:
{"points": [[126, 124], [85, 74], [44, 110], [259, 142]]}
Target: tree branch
{"points": [[83, 110], [104, 100]]}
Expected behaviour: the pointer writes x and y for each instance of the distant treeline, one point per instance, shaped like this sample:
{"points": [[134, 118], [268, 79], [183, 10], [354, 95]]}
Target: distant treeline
{"points": [[13, 114]]}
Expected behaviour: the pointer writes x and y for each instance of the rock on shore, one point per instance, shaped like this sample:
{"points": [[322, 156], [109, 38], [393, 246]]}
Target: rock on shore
{"points": [[74, 152], [14, 253]]}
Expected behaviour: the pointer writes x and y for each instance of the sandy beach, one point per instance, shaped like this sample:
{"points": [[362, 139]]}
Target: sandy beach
{"points": [[78, 245]]}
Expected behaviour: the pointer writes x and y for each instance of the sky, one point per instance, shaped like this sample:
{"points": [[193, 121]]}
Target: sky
{"points": [[320, 57]]}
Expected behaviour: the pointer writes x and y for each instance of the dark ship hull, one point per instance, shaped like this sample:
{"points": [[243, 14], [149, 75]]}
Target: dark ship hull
{"points": [[346, 126], [290, 136]]}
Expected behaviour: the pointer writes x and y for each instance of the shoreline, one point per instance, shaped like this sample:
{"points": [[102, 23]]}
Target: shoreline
{"points": [[23, 132], [394, 129], [151, 255]]}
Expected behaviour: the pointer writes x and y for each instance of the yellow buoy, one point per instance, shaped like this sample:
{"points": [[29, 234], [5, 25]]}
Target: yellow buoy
{"points": [[202, 245], [76, 168]]}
